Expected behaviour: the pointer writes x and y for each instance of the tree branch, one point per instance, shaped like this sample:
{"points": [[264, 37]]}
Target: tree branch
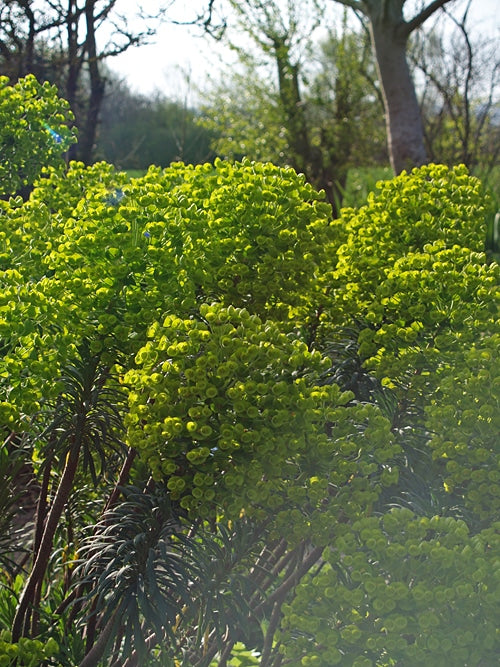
{"points": [[419, 19], [357, 5], [98, 650]]}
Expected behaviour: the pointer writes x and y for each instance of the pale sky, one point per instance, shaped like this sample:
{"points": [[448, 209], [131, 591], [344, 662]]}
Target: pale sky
{"points": [[179, 51], [176, 51]]}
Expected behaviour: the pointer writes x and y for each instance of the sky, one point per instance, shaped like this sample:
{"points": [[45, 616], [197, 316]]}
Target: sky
{"points": [[182, 58], [177, 52]]}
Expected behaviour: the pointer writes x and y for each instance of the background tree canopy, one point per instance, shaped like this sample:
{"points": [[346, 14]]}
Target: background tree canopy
{"points": [[305, 93], [320, 122], [68, 43]]}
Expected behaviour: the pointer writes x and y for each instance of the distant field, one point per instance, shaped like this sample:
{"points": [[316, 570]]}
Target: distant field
{"points": [[361, 181], [135, 173]]}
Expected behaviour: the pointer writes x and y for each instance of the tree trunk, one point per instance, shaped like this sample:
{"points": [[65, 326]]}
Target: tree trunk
{"points": [[96, 653], [325, 172], [97, 85], [405, 136], [295, 119], [74, 66]]}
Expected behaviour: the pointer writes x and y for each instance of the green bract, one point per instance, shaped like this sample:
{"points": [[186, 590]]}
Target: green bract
{"points": [[27, 652], [106, 256], [464, 420], [412, 274], [228, 409], [434, 211], [401, 588]]}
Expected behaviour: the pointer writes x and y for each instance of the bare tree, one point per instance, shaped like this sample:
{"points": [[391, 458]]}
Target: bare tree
{"points": [[459, 97], [317, 144], [389, 32]]}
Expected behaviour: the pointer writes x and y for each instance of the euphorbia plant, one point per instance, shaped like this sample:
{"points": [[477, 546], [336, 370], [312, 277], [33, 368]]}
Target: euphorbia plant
{"points": [[227, 398], [33, 132]]}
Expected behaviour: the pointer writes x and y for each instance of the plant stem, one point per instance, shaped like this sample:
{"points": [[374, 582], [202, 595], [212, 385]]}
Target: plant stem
{"points": [[97, 651], [42, 559], [122, 479], [269, 638], [292, 580]]}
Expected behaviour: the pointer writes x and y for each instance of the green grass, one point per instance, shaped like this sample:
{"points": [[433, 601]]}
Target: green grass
{"points": [[135, 173], [361, 181], [492, 184]]}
